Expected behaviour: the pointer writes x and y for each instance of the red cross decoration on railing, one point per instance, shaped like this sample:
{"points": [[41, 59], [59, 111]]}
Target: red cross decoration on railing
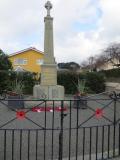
{"points": [[20, 115], [99, 113]]}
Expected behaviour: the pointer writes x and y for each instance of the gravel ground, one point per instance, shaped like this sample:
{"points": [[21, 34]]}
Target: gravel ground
{"points": [[46, 145]]}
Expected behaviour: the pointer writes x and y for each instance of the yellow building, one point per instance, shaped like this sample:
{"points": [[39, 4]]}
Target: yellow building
{"points": [[29, 59]]}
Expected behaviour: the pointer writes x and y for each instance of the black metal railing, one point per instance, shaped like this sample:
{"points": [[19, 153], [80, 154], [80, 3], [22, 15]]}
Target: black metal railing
{"points": [[57, 129]]}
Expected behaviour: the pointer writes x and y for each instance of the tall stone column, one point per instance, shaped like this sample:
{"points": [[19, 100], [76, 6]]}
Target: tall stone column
{"points": [[49, 68], [48, 86], [48, 41]]}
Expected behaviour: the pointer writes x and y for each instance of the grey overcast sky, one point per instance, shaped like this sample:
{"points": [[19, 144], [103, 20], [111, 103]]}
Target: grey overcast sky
{"points": [[82, 28]]}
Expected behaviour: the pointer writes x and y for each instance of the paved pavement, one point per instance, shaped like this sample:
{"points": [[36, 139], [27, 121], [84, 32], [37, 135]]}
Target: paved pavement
{"points": [[47, 142]]}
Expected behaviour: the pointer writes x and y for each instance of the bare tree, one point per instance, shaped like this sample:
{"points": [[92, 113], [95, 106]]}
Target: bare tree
{"points": [[110, 54], [100, 60], [92, 61], [113, 54]]}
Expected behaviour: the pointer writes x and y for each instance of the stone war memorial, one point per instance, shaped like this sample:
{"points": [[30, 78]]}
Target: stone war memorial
{"points": [[48, 86]]}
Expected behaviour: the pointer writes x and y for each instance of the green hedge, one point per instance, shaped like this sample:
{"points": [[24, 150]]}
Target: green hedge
{"points": [[111, 73], [4, 81], [28, 82], [67, 80], [95, 82]]}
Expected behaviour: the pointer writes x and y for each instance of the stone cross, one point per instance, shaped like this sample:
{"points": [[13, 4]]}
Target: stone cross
{"points": [[48, 6]]}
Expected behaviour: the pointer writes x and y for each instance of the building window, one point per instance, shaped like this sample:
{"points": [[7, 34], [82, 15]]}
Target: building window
{"points": [[20, 61], [39, 61]]}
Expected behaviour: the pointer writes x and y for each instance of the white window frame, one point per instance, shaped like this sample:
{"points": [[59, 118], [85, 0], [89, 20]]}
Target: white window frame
{"points": [[24, 61], [39, 61]]}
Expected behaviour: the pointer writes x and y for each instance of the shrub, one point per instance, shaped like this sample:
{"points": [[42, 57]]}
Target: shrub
{"points": [[5, 66], [95, 82], [25, 79], [4, 81], [112, 73], [28, 82], [67, 79]]}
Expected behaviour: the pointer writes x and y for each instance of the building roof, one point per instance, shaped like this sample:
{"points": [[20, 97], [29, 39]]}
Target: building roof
{"points": [[24, 50]]}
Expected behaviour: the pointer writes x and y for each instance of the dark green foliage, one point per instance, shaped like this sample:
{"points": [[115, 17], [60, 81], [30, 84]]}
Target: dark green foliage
{"points": [[112, 73], [27, 80], [5, 66], [4, 81], [67, 79], [95, 82]]}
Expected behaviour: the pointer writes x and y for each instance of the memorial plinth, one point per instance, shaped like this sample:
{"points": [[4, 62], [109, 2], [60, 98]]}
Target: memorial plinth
{"points": [[48, 87]]}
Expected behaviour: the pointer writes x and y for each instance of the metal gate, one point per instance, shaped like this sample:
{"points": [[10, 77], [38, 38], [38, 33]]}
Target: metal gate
{"points": [[61, 130]]}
